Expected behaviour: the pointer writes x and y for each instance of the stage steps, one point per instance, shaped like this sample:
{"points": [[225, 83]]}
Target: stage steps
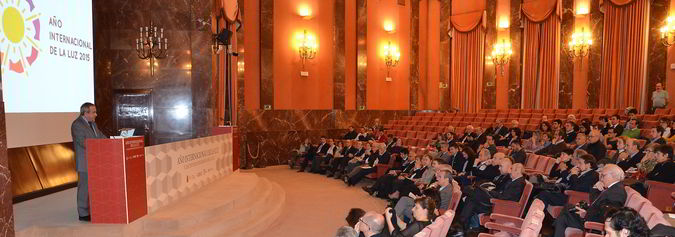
{"points": [[241, 204]]}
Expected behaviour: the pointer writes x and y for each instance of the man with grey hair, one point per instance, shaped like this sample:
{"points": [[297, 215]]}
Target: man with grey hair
{"points": [[83, 128], [607, 193], [371, 224], [634, 155]]}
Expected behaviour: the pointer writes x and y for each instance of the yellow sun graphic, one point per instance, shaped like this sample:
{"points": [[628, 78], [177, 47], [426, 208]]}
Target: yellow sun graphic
{"points": [[19, 35]]}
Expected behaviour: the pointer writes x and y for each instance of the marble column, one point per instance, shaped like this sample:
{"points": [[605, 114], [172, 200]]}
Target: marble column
{"points": [[361, 53], [490, 71], [339, 56], [445, 48], [516, 64], [595, 55], [6, 211], [567, 62], [657, 53], [414, 52], [266, 53]]}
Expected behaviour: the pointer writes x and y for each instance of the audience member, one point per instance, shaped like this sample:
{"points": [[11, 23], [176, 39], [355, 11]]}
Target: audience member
{"points": [[626, 222], [346, 231], [380, 156], [616, 124], [581, 178], [443, 184], [353, 216], [634, 155], [603, 125], [655, 136], [570, 132], [557, 146], [384, 185], [423, 213], [596, 146], [510, 188], [314, 152], [608, 192], [300, 152], [665, 168], [631, 129], [371, 225], [457, 159], [351, 134], [499, 130], [517, 152], [659, 98]]}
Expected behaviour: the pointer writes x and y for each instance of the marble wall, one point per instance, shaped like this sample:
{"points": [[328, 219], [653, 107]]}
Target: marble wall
{"points": [[182, 93], [566, 61], [657, 53], [6, 208], [490, 71], [445, 49], [516, 64], [595, 55], [270, 135]]}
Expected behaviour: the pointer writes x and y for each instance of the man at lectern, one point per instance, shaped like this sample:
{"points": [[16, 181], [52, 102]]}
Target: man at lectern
{"points": [[84, 127]]}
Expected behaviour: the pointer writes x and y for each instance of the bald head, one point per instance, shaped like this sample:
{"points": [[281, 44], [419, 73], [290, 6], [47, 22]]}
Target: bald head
{"points": [[374, 220], [499, 155]]}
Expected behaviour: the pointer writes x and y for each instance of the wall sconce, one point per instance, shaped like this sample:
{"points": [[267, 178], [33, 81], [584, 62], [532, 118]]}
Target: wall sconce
{"points": [[501, 54], [580, 44], [305, 12], [503, 23], [668, 32], [307, 47], [391, 57], [389, 27]]}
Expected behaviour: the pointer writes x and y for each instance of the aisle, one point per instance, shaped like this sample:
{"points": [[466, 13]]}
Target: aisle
{"points": [[315, 205]]}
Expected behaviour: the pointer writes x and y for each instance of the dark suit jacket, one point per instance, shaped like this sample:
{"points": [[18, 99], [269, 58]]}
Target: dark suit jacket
{"points": [[511, 191], [631, 162], [663, 172], [585, 182], [555, 173], [519, 156], [619, 127], [350, 135], [418, 173], [552, 150], [614, 196], [502, 131], [598, 150], [570, 137], [489, 173], [458, 162], [660, 141], [81, 131]]}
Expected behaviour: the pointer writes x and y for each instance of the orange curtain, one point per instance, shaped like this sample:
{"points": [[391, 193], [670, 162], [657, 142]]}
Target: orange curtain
{"points": [[541, 59], [622, 82], [467, 66]]}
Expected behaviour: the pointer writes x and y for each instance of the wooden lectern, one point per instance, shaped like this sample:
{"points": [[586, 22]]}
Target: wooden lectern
{"points": [[117, 191]]}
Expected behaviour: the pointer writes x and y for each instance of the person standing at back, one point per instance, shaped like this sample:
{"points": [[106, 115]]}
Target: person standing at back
{"points": [[659, 98], [83, 128]]}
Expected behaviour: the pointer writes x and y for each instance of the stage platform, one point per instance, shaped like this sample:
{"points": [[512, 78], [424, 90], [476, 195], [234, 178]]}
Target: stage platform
{"points": [[241, 204]]}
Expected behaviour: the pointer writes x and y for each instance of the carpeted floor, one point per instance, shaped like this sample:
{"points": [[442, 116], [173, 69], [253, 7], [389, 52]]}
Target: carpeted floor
{"points": [[315, 205]]}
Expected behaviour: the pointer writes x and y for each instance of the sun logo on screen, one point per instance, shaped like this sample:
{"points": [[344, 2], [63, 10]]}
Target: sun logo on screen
{"points": [[19, 35]]}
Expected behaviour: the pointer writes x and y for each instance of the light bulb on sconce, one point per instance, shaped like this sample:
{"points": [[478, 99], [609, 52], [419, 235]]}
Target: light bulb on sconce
{"points": [[580, 44], [305, 11], [582, 9], [668, 32], [391, 57], [307, 46], [501, 54], [388, 27]]}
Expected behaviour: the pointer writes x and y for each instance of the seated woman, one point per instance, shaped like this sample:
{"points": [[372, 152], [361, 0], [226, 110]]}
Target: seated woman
{"points": [[663, 169], [424, 212], [413, 184]]}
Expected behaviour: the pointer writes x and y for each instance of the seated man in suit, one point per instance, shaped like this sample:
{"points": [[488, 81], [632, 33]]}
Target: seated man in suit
{"points": [[616, 124], [634, 155], [384, 185], [596, 145], [370, 166], [444, 154], [457, 159], [509, 189], [314, 151], [557, 145], [655, 136], [579, 142], [323, 157], [581, 178], [481, 137], [489, 144], [632, 130], [351, 134], [606, 193], [347, 153], [517, 152], [486, 169], [417, 181], [359, 158], [570, 133], [499, 130], [469, 135]]}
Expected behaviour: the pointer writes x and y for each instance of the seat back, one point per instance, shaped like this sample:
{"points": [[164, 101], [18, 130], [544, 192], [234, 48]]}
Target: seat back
{"points": [[447, 221], [637, 202], [542, 163], [531, 161], [659, 194], [456, 195], [649, 212], [657, 219], [630, 193], [436, 227], [525, 196]]}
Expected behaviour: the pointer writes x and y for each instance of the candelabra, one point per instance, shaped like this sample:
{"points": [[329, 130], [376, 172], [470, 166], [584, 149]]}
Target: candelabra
{"points": [[307, 47], [501, 54], [668, 32], [580, 44], [391, 57], [151, 44]]}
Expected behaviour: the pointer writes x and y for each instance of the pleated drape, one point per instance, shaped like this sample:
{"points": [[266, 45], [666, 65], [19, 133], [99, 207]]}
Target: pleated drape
{"points": [[467, 69], [622, 82], [541, 59]]}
